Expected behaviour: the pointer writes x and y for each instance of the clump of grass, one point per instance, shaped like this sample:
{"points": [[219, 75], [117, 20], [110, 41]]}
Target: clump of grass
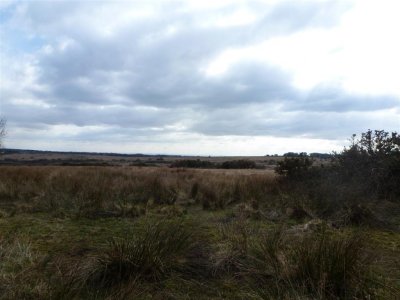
{"points": [[209, 198], [266, 268], [150, 256], [19, 278], [233, 248], [322, 265], [333, 267]]}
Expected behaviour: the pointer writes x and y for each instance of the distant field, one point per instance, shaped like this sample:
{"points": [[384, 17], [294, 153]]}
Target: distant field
{"points": [[38, 158], [55, 158]]}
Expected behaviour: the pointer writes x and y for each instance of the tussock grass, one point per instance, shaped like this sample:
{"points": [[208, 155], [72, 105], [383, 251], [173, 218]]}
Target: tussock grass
{"points": [[161, 249], [150, 256], [322, 265], [18, 274]]}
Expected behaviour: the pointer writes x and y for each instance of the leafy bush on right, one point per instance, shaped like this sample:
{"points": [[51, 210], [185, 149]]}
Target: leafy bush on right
{"points": [[360, 176], [373, 162]]}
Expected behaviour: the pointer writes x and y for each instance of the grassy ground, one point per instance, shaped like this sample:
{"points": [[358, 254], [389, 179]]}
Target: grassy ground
{"points": [[132, 233]]}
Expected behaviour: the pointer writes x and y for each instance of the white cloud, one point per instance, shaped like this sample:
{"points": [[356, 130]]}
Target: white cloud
{"points": [[360, 54]]}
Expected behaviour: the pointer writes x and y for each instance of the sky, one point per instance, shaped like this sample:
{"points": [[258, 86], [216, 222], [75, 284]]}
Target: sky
{"points": [[198, 77]]}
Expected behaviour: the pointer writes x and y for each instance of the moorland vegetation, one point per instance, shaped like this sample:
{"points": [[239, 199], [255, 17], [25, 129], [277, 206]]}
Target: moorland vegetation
{"points": [[313, 231]]}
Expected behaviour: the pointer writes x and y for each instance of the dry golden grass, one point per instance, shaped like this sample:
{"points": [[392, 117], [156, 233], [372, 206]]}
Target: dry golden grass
{"points": [[121, 191]]}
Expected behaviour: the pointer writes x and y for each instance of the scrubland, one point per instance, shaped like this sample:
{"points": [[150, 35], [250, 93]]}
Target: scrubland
{"points": [[307, 232]]}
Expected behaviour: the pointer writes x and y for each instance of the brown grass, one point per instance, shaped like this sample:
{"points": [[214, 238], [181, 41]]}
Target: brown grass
{"points": [[122, 191]]}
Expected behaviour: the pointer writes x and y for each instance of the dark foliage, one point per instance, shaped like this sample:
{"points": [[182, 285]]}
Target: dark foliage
{"points": [[192, 163], [366, 172], [320, 155], [294, 154], [294, 167], [373, 162], [239, 164], [204, 164]]}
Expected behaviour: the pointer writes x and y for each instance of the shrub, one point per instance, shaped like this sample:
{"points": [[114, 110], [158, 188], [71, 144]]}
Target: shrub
{"points": [[294, 167], [367, 171], [373, 162]]}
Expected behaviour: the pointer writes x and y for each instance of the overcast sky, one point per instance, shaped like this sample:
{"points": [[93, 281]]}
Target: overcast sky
{"points": [[198, 77]]}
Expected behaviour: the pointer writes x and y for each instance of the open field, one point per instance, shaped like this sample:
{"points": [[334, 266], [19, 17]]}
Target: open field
{"points": [[166, 233], [37, 158]]}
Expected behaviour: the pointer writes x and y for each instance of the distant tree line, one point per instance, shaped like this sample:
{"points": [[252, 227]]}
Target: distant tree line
{"points": [[205, 164], [304, 154]]}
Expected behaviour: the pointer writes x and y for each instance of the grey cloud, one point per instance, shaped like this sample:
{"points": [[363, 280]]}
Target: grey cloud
{"points": [[120, 116], [165, 71], [261, 121], [334, 99], [140, 79]]}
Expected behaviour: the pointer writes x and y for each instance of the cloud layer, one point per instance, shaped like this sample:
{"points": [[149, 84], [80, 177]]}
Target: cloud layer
{"points": [[146, 77]]}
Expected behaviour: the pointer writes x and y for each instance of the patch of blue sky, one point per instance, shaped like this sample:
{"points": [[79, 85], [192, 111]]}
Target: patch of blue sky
{"points": [[6, 13], [22, 42], [13, 39]]}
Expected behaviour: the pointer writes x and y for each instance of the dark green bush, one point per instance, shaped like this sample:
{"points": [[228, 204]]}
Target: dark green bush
{"points": [[373, 162], [294, 167], [238, 164], [367, 171]]}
